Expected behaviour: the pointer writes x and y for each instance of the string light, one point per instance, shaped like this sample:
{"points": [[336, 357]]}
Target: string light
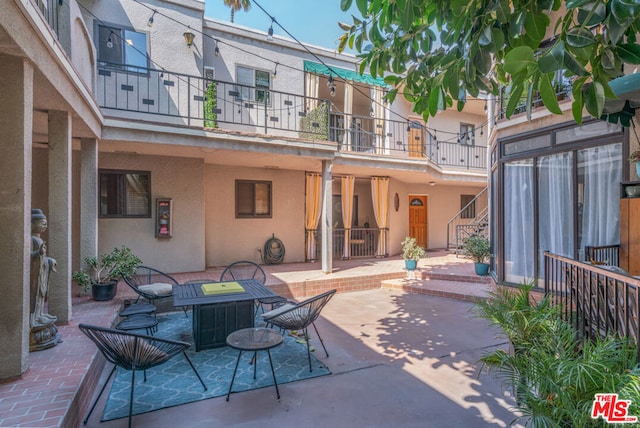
{"points": [[110, 40], [332, 92], [150, 21], [275, 71], [270, 32], [330, 81], [216, 51]]}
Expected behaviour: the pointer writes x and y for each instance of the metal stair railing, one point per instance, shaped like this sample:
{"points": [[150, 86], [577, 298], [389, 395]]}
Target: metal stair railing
{"points": [[459, 227]]}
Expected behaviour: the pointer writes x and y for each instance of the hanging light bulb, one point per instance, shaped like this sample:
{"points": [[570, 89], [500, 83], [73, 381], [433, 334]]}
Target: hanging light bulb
{"points": [[275, 71], [408, 126], [485, 106], [332, 92], [481, 130], [371, 112], [216, 51], [150, 21], [329, 82], [110, 40], [270, 32]]}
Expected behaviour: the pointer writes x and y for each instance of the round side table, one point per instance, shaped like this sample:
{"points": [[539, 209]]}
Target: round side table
{"points": [[254, 339]]}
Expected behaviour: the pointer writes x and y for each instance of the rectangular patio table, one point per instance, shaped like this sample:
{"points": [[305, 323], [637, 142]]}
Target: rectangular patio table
{"points": [[216, 316]]}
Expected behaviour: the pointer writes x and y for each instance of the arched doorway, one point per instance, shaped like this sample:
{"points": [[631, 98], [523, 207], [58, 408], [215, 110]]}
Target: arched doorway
{"points": [[418, 219]]}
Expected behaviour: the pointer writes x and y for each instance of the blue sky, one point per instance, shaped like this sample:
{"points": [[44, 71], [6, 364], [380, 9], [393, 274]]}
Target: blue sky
{"points": [[310, 21]]}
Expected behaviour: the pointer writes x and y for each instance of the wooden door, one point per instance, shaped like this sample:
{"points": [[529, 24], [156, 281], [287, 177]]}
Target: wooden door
{"points": [[418, 219], [416, 145]]}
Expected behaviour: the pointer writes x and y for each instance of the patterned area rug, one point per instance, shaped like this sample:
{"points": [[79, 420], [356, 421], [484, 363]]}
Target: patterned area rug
{"points": [[174, 383]]}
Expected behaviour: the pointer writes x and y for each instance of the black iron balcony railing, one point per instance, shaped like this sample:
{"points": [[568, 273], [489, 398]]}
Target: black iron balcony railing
{"points": [[598, 301], [563, 91], [146, 94]]}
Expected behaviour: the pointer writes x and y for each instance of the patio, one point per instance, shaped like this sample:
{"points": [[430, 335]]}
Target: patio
{"points": [[399, 356]]}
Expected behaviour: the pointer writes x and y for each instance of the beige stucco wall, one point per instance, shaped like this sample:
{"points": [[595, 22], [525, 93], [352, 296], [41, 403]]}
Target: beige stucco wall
{"points": [[180, 179], [443, 202], [229, 239]]}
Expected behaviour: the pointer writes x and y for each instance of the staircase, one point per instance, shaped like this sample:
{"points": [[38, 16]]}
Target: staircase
{"points": [[472, 219]]}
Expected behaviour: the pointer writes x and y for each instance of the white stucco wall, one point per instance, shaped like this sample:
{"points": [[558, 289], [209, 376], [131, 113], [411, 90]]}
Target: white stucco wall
{"points": [[229, 239], [182, 180]]}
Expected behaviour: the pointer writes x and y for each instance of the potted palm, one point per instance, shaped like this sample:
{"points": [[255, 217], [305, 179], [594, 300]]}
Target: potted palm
{"points": [[478, 248], [102, 274], [411, 253]]}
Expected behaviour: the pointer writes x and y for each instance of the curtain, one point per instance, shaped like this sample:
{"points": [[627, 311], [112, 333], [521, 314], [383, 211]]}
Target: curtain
{"points": [[378, 114], [347, 212], [518, 221], [312, 84], [555, 206], [313, 193], [348, 119], [380, 198], [600, 169]]}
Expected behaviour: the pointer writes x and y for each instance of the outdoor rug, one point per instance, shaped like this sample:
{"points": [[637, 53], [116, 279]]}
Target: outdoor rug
{"points": [[174, 383]]}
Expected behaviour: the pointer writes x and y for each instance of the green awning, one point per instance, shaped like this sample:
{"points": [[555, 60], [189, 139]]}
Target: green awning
{"points": [[314, 67], [622, 108]]}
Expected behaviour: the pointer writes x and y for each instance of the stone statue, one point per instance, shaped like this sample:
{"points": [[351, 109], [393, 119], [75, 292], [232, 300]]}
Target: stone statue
{"points": [[41, 266]]}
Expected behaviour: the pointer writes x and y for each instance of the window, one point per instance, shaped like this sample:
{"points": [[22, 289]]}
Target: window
{"points": [[251, 78], [467, 211], [125, 193], [467, 134], [122, 46], [253, 199]]}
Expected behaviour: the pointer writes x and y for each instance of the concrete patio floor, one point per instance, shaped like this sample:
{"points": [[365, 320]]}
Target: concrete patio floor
{"points": [[397, 359], [401, 355]]}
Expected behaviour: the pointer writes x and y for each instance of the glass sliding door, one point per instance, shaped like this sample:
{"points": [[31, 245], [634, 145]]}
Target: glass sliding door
{"points": [[555, 207], [599, 176], [518, 221]]}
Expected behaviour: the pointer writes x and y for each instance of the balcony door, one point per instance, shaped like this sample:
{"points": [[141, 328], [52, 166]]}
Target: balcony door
{"points": [[418, 219], [416, 145]]}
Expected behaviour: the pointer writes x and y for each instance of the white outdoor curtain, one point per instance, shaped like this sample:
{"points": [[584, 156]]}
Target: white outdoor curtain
{"points": [[601, 169], [348, 119], [312, 87], [347, 213], [313, 193], [555, 206], [380, 198], [518, 221], [378, 114]]}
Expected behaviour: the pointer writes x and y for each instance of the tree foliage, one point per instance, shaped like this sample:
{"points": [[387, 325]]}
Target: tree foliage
{"points": [[439, 51]]}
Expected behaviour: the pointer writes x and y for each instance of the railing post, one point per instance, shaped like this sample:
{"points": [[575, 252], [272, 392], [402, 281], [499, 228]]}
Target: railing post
{"points": [[188, 101], [265, 111]]}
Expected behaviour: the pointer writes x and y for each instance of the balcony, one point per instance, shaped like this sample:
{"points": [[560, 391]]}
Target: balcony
{"points": [[159, 96]]}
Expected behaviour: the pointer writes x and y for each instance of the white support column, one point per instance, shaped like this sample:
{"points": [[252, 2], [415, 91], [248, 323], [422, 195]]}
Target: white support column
{"points": [[88, 198], [327, 218], [59, 214], [16, 122]]}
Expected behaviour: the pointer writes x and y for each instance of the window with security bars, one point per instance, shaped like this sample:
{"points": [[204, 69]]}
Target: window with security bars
{"points": [[256, 85], [470, 210], [125, 193], [467, 134], [253, 199]]}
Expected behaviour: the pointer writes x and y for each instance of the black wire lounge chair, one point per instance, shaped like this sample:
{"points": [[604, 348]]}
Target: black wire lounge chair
{"points": [[298, 316], [133, 352]]}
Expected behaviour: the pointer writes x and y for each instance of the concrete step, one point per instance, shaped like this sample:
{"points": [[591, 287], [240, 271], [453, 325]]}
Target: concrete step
{"points": [[450, 288]]}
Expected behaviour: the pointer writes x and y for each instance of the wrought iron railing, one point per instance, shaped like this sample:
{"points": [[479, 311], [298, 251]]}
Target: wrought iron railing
{"points": [[596, 300], [605, 254], [363, 242], [179, 99], [563, 91], [472, 219], [49, 9]]}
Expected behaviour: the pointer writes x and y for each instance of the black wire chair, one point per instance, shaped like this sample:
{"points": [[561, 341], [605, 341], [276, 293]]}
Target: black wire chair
{"points": [[292, 316], [245, 269], [152, 284], [133, 352]]}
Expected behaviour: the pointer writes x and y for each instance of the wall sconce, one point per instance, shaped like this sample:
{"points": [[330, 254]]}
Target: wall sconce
{"points": [[188, 37]]}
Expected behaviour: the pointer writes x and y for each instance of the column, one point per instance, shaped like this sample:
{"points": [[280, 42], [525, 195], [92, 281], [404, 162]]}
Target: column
{"points": [[326, 218], [59, 213], [16, 119], [88, 198]]}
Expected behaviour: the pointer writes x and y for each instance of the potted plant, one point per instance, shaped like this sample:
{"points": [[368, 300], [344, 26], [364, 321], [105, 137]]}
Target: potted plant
{"points": [[411, 253], [478, 248], [103, 273]]}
